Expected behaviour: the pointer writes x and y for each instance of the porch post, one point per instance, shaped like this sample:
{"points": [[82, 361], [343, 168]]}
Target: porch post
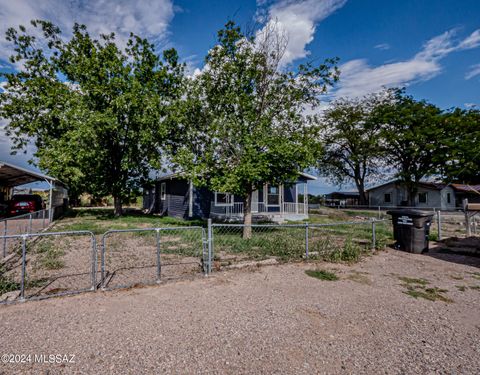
{"points": [[296, 198], [190, 198], [305, 199], [281, 191]]}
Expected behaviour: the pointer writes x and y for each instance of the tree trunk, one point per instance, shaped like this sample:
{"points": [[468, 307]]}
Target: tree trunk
{"points": [[412, 192], [363, 201], [117, 203], [247, 216]]}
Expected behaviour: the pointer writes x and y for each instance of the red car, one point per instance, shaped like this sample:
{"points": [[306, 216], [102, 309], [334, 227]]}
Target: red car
{"points": [[24, 203]]}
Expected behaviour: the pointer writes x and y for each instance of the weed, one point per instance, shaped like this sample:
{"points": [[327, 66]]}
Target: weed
{"points": [[456, 277], [461, 288], [7, 284], [350, 252], [431, 294], [475, 287], [359, 278], [410, 280], [322, 275], [50, 257], [475, 275]]}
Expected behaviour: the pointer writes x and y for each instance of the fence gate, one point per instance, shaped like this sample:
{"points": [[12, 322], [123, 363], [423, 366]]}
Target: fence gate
{"points": [[150, 255]]}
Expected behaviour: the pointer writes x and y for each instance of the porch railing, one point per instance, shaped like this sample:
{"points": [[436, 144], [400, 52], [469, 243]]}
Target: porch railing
{"points": [[236, 209]]}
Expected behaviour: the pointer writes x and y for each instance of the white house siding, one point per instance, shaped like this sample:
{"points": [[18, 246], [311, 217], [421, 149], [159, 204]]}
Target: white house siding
{"points": [[435, 198]]}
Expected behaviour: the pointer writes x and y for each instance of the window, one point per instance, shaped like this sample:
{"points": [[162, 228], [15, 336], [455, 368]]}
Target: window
{"points": [[273, 196], [422, 197], [387, 198], [449, 198], [163, 191], [223, 199]]}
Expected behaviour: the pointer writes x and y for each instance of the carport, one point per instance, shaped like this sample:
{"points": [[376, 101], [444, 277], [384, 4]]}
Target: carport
{"points": [[12, 176]]}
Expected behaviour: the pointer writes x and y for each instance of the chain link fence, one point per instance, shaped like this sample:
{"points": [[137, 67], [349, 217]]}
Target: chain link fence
{"points": [[344, 241], [150, 255], [22, 224], [49, 264]]}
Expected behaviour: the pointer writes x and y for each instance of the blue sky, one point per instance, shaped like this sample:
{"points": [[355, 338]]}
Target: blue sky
{"points": [[430, 46]]}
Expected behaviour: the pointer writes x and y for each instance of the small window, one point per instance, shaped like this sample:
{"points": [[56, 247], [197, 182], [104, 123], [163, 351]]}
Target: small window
{"points": [[387, 198], [449, 198], [422, 197], [223, 199], [273, 196], [163, 191]]}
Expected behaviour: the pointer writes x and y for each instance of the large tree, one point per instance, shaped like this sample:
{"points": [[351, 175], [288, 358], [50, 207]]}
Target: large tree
{"points": [[352, 142], [460, 161], [410, 138], [247, 118], [97, 113]]}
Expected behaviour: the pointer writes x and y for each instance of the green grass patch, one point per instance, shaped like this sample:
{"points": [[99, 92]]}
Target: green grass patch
{"points": [[410, 280], [461, 288], [322, 275], [430, 294], [49, 255]]}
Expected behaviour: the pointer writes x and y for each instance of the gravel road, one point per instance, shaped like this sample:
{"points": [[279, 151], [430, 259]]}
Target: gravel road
{"points": [[273, 319]]}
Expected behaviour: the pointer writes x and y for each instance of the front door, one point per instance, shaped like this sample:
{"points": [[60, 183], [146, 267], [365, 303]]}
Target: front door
{"points": [[255, 201]]}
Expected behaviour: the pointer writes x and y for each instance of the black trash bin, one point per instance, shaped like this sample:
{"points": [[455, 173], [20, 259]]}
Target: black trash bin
{"points": [[411, 229]]}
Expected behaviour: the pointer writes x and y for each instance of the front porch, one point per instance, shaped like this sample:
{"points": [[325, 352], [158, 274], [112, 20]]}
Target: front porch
{"points": [[271, 203]]}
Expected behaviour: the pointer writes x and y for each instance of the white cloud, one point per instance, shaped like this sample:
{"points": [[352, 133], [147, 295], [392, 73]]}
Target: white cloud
{"points": [[147, 18], [473, 72], [298, 19], [359, 78], [382, 46]]}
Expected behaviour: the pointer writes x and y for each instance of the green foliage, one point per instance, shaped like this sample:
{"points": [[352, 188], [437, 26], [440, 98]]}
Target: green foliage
{"points": [[350, 253], [461, 145], [7, 283], [430, 294], [322, 275], [410, 280], [98, 114], [245, 116], [352, 142], [410, 134], [49, 255]]}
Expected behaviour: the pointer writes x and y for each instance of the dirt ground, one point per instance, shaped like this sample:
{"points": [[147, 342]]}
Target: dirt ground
{"points": [[272, 319]]}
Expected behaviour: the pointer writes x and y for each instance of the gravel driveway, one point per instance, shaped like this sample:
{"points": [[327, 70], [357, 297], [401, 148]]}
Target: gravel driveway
{"points": [[273, 319]]}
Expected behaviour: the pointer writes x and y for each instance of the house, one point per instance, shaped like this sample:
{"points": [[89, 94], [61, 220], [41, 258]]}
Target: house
{"points": [[342, 198], [469, 192], [430, 194], [173, 195]]}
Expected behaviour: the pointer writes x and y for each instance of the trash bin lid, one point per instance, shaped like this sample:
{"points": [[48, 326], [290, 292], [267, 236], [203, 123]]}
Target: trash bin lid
{"points": [[410, 212]]}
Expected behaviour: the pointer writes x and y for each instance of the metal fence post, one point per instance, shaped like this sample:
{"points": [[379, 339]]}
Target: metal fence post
{"points": [[5, 240], [102, 261], [439, 225], [30, 218], [379, 213], [94, 262], [306, 240], [24, 266], [374, 235], [159, 266], [210, 245], [43, 219]]}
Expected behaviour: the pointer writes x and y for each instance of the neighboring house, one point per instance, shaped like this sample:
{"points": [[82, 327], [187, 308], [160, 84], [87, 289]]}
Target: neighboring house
{"points": [[173, 195], [341, 198], [430, 194], [470, 192]]}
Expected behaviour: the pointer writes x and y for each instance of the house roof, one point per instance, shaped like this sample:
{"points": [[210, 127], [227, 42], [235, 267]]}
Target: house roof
{"points": [[424, 184], [12, 175], [462, 188], [170, 176], [343, 194]]}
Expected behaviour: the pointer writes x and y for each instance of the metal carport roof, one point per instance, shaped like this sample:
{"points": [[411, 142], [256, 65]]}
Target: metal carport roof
{"points": [[12, 175]]}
